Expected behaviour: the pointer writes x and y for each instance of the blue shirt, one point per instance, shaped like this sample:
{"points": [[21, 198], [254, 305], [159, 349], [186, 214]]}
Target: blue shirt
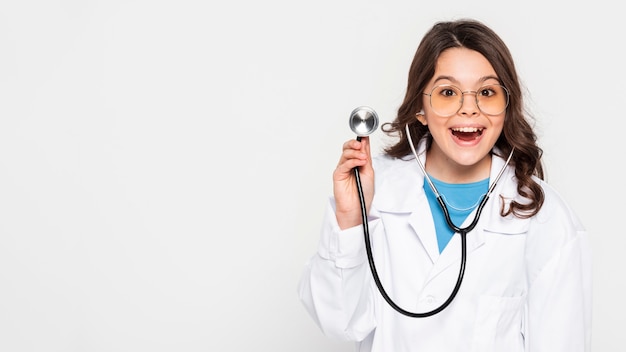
{"points": [[460, 198]]}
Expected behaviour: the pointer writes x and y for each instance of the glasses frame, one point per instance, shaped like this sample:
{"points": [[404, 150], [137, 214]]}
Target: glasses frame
{"points": [[475, 92]]}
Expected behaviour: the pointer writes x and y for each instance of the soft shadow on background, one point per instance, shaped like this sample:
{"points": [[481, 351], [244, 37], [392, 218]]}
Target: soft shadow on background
{"points": [[164, 164]]}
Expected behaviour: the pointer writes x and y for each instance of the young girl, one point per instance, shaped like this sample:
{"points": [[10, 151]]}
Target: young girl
{"points": [[462, 137]]}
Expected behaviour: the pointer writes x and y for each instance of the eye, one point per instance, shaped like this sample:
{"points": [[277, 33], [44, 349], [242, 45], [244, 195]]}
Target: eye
{"points": [[447, 91], [487, 91]]}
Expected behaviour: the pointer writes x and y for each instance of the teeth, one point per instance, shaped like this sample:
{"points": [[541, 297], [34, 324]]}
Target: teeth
{"points": [[467, 129]]}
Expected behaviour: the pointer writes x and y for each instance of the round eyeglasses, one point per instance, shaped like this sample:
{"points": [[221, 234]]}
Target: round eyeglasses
{"points": [[446, 99]]}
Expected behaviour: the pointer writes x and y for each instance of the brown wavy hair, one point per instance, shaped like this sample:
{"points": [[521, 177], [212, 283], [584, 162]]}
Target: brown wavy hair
{"points": [[517, 132]]}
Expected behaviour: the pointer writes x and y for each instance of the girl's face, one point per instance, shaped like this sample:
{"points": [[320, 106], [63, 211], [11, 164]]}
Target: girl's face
{"points": [[463, 138]]}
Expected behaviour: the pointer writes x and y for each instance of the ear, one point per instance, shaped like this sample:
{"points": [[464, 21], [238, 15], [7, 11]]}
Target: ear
{"points": [[421, 118]]}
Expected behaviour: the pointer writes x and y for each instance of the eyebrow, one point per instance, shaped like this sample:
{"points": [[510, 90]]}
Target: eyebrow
{"points": [[454, 80]]}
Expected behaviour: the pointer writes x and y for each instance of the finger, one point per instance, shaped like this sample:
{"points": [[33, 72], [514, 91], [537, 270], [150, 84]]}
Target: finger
{"points": [[352, 154], [365, 142], [352, 144], [349, 164], [352, 150]]}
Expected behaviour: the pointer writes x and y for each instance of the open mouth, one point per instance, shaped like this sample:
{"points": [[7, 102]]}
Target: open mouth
{"points": [[467, 133]]}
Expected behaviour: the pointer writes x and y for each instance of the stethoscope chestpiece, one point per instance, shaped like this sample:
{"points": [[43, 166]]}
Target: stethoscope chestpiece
{"points": [[363, 121]]}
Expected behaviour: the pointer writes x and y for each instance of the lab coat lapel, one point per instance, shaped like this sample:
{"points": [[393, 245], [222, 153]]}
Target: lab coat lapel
{"points": [[421, 218], [422, 223], [402, 192]]}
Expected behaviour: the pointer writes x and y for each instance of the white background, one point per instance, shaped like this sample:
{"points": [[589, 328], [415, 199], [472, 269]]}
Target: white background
{"points": [[164, 165]]}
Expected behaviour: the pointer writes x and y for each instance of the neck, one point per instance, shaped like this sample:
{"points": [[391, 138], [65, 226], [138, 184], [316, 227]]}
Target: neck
{"points": [[449, 171]]}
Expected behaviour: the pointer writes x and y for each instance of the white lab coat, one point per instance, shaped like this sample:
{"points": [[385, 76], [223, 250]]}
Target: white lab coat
{"points": [[527, 284]]}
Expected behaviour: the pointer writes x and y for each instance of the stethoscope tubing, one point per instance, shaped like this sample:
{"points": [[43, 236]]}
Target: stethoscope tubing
{"points": [[462, 232], [372, 265]]}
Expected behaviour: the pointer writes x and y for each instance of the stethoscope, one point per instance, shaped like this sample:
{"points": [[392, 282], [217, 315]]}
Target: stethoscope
{"points": [[363, 122]]}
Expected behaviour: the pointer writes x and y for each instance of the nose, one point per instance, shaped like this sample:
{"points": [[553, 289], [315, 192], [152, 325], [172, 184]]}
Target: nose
{"points": [[469, 106]]}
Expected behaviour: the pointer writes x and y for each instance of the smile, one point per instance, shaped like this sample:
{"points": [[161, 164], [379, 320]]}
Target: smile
{"points": [[467, 133]]}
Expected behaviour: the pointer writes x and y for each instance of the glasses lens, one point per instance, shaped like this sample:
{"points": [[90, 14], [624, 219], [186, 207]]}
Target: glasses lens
{"points": [[446, 100], [492, 99]]}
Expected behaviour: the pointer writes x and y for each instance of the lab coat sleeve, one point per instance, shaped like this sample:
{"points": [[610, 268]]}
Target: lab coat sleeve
{"points": [[335, 286], [559, 302]]}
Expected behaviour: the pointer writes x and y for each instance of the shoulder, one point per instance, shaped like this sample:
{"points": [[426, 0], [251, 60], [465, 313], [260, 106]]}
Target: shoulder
{"points": [[555, 224], [555, 215], [385, 165], [395, 171], [554, 228], [556, 209], [555, 235], [398, 183], [383, 161]]}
